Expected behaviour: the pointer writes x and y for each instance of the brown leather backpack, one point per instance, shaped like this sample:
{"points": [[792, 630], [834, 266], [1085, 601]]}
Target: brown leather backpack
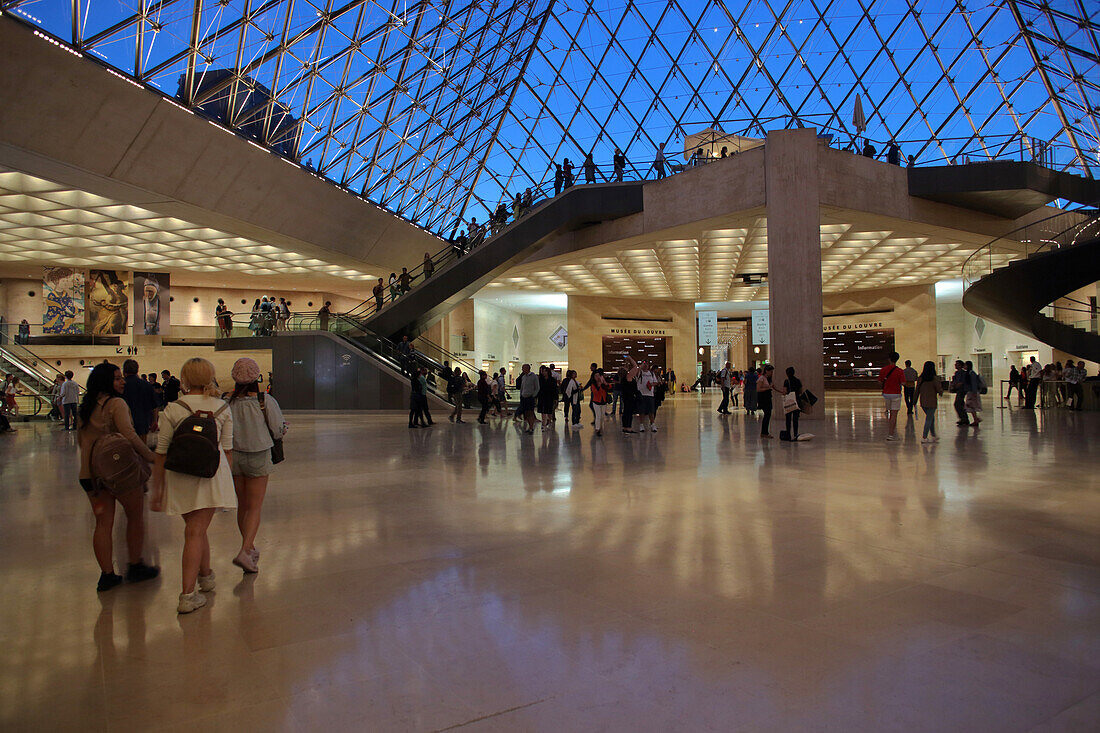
{"points": [[115, 463], [194, 448]]}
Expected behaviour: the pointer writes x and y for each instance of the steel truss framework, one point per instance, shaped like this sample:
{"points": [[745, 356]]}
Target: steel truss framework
{"points": [[439, 109]]}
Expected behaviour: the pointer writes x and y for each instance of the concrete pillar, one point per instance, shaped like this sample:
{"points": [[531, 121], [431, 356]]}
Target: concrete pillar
{"points": [[794, 256]]}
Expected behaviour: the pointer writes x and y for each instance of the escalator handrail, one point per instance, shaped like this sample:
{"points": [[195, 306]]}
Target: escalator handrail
{"points": [[21, 362]]}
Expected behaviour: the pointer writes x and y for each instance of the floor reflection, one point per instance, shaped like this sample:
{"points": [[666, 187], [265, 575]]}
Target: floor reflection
{"points": [[684, 579]]}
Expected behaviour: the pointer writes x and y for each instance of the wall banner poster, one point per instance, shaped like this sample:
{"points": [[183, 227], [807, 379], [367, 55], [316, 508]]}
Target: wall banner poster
{"points": [[761, 327], [107, 311], [708, 328], [152, 292], [62, 300]]}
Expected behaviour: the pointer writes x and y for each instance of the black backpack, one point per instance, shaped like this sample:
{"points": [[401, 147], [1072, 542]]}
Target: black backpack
{"points": [[194, 448]]}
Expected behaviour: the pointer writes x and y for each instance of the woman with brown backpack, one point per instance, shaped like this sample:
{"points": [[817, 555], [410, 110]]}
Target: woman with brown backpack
{"points": [[114, 466], [191, 476]]}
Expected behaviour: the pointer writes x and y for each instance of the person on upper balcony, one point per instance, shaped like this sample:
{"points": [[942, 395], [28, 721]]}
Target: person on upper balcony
{"points": [[619, 161], [589, 169]]}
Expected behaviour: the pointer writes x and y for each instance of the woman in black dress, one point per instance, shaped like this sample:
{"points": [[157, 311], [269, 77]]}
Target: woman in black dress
{"points": [[548, 395]]}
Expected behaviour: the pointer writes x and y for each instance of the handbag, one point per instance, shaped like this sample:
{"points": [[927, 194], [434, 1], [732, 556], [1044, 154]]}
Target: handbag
{"points": [[790, 402], [276, 443], [809, 397]]}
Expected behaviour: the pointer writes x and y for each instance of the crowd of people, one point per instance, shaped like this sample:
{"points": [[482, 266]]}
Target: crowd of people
{"points": [[1052, 385], [211, 451], [635, 391]]}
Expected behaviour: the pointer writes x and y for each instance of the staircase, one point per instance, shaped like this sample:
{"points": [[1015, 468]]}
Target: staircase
{"points": [[1045, 261], [456, 278]]}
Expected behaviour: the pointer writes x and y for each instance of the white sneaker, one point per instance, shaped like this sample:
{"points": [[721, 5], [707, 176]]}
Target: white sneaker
{"points": [[576, 426], [190, 602], [891, 437], [926, 440], [653, 428], [206, 582]]}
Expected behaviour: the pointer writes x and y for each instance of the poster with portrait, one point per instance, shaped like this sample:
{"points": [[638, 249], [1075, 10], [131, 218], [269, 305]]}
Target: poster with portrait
{"points": [[107, 306], [62, 300], [151, 300]]}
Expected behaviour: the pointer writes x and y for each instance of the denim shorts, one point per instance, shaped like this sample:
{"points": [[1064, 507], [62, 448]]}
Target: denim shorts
{"points": [[252, 465]]}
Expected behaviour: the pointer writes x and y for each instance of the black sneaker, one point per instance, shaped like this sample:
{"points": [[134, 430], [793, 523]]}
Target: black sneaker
{"points": [[139, 571], [108, 581]]}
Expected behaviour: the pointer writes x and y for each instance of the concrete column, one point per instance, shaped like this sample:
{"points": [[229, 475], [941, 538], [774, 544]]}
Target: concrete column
{"points": [[794, 256]]}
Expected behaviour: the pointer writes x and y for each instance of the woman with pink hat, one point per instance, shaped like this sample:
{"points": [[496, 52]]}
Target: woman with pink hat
{"points": [[257, 425]]}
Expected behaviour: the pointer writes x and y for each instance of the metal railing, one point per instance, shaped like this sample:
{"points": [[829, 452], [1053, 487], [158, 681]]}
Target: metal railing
{"points": [[1063, 229]]}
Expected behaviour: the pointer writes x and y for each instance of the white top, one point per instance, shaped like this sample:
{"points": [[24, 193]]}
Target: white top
{"points": [[250, 433], [184, 493], [647, 380]]}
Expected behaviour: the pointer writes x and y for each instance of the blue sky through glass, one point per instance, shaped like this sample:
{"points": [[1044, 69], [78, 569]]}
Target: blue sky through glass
{"points": [[437, 110]]}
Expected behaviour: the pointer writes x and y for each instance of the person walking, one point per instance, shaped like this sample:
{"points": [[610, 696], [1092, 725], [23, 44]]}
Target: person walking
{"points": [[628, 393], [257, 424], [572, 391], [972, 402], [456, 389], [792, 385], [752, 397], [958, 388], [659, 162], [593, 367], [891, 378], [928, 394], [910, 389], [416, 413], [547, 396], [599, 397], [619, 162], [484, 394], [764, 389], [528, 384], [70, 396], [140, 398], [195, 498], [725, 381], [103, 411], [1014, 384]]}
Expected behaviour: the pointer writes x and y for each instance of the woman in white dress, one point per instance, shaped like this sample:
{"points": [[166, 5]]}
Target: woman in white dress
{"points": [[192, 497]]}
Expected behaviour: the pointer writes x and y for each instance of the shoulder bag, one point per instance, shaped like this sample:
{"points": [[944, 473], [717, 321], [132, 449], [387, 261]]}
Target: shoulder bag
{"points": [[276, 443], [115, 464]]}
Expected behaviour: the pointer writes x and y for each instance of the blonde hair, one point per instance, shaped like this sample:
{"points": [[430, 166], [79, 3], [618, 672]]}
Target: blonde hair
{"points": [[198, 373]]}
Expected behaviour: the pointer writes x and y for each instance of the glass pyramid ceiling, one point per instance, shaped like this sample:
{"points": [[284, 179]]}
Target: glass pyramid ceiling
{"points": [[438, 110]]}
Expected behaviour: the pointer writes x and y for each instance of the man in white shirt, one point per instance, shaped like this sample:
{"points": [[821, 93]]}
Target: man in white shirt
{"points": [[70, 396], [724, 379], [528, 384], [1034, 379], [647, 406]]}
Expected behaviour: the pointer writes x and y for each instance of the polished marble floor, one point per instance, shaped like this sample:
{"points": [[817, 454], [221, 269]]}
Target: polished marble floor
{"points": [[469, 577]]}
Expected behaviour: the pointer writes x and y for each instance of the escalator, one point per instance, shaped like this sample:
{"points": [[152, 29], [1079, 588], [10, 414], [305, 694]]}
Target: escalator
{"points": [[1015, 277], [36, 380], [456, 278]]}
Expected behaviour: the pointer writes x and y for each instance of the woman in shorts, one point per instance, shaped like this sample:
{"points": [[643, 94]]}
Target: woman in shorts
{"points": [[257, 422]]}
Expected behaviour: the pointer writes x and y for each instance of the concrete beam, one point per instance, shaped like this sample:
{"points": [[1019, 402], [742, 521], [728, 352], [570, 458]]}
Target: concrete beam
{"points": [[66, 119]]}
